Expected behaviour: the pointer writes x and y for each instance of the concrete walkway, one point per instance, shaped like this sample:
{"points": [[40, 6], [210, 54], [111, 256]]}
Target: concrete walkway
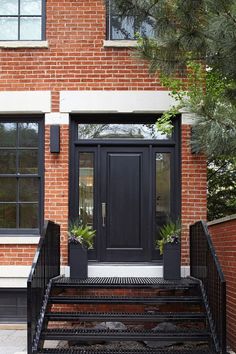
{"points": [[13, 341]]}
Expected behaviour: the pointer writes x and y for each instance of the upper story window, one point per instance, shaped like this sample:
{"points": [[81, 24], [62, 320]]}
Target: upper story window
{"points": [[126, 27], [22, 20], [20, 175]]}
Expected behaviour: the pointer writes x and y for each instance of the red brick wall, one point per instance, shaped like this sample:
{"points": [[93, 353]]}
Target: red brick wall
{"points": [[17, 254], [224, 240], [194, 189], [57, 185], [77, 60]]}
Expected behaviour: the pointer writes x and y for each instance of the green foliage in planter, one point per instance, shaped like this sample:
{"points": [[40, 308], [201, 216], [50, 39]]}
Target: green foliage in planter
{"points": [[83, 234], [169, 233]]}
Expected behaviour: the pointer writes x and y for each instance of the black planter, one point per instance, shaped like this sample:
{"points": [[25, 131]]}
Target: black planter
{"points": [[78, 261], [171, 261]]}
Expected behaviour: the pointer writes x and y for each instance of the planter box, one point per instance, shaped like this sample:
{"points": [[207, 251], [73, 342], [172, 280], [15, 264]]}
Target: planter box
{"points": [[171, 260], [78, 261]]}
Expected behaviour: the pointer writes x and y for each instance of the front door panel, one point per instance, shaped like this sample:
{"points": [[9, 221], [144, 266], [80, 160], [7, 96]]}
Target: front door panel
{"points": [[125, 214]]}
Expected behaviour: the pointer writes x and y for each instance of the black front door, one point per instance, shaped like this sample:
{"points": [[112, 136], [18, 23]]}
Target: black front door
{"points": [[125, 183], [125, 204]]}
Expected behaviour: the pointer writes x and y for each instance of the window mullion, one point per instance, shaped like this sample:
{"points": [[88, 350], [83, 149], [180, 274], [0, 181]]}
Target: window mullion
{"points": [[18, 20]]}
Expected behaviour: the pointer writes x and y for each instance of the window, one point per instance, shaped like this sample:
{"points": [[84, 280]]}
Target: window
{"points": [[120, 131], [20, 175], [125, 28], [22, 20]]}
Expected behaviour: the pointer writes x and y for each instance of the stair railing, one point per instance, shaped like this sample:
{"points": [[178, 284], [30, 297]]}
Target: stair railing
{"points": [[204, 265], [46, 265]]}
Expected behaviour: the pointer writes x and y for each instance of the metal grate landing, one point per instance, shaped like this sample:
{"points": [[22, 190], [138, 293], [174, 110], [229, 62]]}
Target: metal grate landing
{"points": [[124, 351], [125, 282]]}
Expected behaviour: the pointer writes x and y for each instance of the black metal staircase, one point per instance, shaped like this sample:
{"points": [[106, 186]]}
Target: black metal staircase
{"points": [[72, 315], [149, 309]]}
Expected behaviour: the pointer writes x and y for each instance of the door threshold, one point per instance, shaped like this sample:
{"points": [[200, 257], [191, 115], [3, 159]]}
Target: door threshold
{"points": [[138, 270], [125, 270]]}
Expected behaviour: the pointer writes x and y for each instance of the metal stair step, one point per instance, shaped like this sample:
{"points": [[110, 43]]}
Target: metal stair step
{"points": [[116, 282], [121, 316], [123, 335], [123, 299], [124, 351]]}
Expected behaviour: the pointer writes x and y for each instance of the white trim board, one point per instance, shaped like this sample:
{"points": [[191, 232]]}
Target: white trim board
{"points": [[25, 102], [115, 101]]}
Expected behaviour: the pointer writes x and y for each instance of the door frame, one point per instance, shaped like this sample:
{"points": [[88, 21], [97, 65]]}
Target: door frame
{"points": [[174, 145]]}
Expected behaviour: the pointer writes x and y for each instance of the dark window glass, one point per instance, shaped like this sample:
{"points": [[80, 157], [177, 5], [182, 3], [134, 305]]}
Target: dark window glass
{"points": [[125, 28], [28, 161], [19, 175], [8, 189], [21, 20], [8, 216], [28, 189], [28, 216], [28, 134], [8, 134], [7, 161]]}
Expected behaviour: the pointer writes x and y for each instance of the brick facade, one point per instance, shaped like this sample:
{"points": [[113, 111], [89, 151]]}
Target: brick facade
{"points": [[223, 232], [77, 60], [194, 186]]}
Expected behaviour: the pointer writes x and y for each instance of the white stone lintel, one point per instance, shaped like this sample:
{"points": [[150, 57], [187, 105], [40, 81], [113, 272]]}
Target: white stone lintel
{"points": [[56, 118], [25, 102], [115, 101]]}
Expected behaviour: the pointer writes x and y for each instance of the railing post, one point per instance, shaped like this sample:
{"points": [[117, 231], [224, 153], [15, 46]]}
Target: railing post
{"points": [[223, 319], [205, 266], [29, 315], [42, 270]]}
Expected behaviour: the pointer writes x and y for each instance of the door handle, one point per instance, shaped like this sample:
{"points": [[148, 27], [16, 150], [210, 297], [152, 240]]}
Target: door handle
{"points": [[103, 214]]}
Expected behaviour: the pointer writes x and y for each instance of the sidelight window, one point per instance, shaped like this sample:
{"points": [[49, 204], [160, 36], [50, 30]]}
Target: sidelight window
{"points": [[163, 189], [86, 187], [20, 176]]}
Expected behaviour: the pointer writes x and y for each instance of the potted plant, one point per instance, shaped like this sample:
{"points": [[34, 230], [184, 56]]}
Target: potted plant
{"points": [[169, 246], [81, 238]]}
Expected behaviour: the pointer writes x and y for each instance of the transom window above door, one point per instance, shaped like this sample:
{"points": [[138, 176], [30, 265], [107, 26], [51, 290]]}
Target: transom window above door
{"points": [[120, 27], [120, 131], [22, 20]]}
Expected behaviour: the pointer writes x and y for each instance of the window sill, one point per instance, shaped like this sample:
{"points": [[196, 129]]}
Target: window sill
{"points": [[120, 44], [19, 240], [23, 44]]}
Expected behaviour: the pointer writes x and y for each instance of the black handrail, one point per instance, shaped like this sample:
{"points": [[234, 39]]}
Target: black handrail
{"points": [[204, 265], [46, 265]]}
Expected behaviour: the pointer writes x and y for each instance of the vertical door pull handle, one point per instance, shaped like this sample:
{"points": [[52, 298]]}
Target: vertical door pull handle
{"points": [[103, 214]]}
